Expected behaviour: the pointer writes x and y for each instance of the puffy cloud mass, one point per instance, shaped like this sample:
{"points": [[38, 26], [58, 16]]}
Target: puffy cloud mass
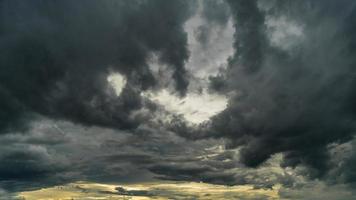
{"points": [[55, 57], [295, 97], [232, 92]]}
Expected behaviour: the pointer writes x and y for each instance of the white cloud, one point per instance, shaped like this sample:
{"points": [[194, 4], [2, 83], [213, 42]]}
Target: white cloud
{"points": [[195, 107], [117, 82], [206, 59]]}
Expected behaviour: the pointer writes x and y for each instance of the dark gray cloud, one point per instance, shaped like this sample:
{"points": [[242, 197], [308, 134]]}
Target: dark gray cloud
{"points": [[57, 152], [55, 57], [250, 38], [290, 83], [123, 191], [295, 98]]}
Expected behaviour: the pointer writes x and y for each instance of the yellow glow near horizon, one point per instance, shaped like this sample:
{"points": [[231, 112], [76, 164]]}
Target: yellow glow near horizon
{"points": [[155, 190]]}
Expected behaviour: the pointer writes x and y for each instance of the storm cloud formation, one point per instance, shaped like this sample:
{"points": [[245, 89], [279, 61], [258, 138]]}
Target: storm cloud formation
{"points": [[290, 85], [55, 56], [294, 98]]}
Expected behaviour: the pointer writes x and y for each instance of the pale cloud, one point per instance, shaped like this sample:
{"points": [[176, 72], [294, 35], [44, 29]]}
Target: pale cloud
{"points": [[117, 82], [195, 107], [206, 57]]}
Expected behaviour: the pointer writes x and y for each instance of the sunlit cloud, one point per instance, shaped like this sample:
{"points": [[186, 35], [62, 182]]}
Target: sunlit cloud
{"points": [[195, 107], [153, 190], [117, 82]]}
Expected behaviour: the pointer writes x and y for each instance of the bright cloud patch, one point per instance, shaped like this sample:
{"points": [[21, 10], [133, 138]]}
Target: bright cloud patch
{"points": [[117, 81], [206, 57], [146, 191], [195, 107]]}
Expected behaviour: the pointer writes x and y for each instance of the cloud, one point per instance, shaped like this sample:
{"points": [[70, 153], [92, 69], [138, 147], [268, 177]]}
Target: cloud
{"points": [[210, 39], [195, 107], [107, 91], [4, 195], [318, 190], [56, 57], [118, 82], [295, 98]]}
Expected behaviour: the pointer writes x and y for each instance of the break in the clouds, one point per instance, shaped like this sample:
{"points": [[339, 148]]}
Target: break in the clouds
{"points": [[230, 92]]}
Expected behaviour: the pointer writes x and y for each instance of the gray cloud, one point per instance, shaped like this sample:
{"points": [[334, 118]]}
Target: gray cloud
{"points": [[55, 57], [295, 99], [290, 83]]}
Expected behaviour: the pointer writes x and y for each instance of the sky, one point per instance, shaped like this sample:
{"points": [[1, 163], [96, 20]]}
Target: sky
{"points": [[244, 97]]}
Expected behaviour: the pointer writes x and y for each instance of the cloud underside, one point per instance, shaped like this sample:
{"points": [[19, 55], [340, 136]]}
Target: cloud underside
{"points": [[240, 92]]}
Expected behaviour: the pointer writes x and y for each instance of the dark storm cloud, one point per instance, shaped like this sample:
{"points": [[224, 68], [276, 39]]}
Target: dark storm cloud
{"points": [[250, 37], [225, 168], [291, 84], [343, 158], [26, 163], [294, 97], [55, 57], [29, 160], [30, 167]]}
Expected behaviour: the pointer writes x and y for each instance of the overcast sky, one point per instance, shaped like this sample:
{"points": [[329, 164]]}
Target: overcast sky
{"points": [[228, 92]]}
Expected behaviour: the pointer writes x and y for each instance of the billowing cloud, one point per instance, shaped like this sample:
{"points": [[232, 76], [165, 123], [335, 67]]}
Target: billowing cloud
{"points": [[294, 97], [55, 57], [237, 92]]}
